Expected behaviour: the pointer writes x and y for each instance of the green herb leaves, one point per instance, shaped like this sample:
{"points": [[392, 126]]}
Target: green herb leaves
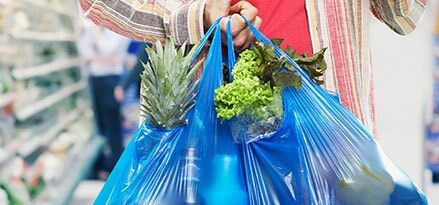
{"points": [[258, 78], [247, 91], [315, 65]]}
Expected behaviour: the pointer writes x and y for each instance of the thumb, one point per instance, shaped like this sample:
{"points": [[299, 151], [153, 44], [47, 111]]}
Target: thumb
{"points": [[243, 7]]}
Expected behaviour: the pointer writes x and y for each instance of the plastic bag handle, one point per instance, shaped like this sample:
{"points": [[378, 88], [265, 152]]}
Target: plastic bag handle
{"points": [[279, 52], [230, 49], [259, 36], [205, 38]]}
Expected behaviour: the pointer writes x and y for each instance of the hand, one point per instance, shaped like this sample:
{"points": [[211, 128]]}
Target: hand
{"points": [[214, 9], [119, 94], [111, 60], [242, 36]]}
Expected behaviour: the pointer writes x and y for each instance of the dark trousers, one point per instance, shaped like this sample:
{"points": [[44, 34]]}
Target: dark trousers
{"points": [[108, 117]]}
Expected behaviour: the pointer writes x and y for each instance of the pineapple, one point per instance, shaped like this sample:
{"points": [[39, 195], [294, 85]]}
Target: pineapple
{"points": [[168, 85]]}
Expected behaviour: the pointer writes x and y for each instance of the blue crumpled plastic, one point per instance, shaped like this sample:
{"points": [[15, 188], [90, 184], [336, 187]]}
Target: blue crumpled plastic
{"points": [[321, 154]]}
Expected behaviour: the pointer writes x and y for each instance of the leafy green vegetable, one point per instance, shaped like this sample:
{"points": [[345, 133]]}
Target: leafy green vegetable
{"points": [[246, 91], [246, 66], [235, 98], [287, 78], [277, 41], [315, 65], [275, 70], [258, 78]]}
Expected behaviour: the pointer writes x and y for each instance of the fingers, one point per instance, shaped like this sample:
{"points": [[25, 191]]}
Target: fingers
{"points": [[118, 93], [246, 9], [241, 8], [243, 40], [245, 37], [237, 24], [213, 9], [251, 39], [242, 35], [258, 22]]}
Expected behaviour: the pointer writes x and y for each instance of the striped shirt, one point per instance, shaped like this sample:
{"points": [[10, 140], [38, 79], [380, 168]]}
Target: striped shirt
{"points": [[340, 25]]}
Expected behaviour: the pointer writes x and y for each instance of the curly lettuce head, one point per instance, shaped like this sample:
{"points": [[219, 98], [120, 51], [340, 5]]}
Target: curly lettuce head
{"points": [[246, 92]]}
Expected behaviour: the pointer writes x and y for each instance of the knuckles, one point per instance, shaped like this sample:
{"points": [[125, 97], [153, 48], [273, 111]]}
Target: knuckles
{"points": [[240, 41]]}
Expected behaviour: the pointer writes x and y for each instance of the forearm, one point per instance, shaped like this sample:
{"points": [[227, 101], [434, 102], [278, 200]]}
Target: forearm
{"points": [[149, 20], [403, 7], [400, 15]]}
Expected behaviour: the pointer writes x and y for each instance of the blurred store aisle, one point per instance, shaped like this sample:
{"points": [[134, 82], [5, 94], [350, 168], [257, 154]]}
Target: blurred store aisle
{"points": [[87, 192]]}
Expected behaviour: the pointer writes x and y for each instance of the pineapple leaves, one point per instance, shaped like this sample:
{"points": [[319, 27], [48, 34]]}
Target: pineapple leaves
{"points": [[168, 85]]}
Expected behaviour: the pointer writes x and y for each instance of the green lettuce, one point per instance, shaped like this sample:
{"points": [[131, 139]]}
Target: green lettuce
{"points": [[258, 79]]}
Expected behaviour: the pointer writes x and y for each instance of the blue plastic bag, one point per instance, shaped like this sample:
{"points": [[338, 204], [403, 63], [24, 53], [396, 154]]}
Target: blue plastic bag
{"points": [[320, 154]]}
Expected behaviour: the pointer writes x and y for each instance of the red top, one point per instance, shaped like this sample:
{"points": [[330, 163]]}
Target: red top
{"points": [[286, 19]]}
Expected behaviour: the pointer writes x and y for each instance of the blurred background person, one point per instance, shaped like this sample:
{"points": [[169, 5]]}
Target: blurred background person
{"points": [[132, 77], [128, 89], [105, 54]]}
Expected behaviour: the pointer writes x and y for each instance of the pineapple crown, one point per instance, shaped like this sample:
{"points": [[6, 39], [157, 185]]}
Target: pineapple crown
{"points": [[168, 84]]}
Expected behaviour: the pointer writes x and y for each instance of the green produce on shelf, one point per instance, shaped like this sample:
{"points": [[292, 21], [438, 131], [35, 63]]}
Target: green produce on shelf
{"points": [[12, 197], [35, 186], [168, 84], [42, 86], [4, 88], [4, 80]]}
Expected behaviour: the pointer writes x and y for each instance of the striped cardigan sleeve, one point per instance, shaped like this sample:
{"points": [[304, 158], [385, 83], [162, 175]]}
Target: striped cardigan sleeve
{"points": [[400, 15], [147, 20]]}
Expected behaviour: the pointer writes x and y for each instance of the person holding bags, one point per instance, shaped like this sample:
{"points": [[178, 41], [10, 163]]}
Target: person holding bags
{"points": [[305, 25], [320, 154]]}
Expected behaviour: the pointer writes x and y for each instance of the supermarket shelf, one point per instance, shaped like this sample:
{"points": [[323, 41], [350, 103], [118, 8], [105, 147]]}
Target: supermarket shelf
{"points": [[27, 146], [6, 99], [4, 158], [48, 6], [62, 193], [43, 36], [48, 101], [8, 3], [45, 138], [8, 50], [44, 69]]}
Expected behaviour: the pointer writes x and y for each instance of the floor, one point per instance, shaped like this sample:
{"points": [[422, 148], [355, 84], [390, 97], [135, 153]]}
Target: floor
{"points": [[433, 194]]}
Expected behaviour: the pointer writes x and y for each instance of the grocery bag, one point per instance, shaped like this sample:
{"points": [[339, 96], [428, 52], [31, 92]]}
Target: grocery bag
{"points": [[319, 154]]}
